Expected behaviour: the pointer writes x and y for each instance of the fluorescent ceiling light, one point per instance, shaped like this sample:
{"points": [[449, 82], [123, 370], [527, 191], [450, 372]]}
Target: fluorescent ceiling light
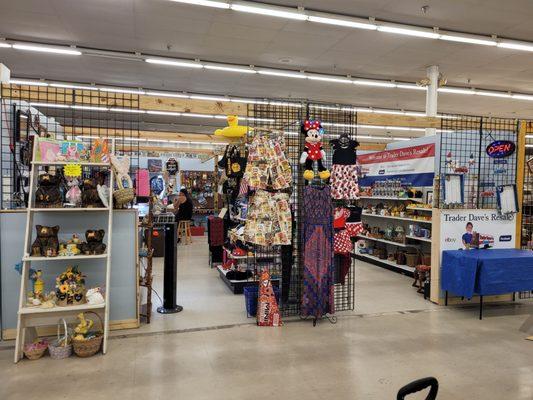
{"points": [[23, 82], [360, 109], [5, 45], [456, 91], [467, 39], [285, 104], [128, 110], [194, 115], [119, 90], [230, 69], [47, 49], [493, 94], [522, 97], [170, 113], [270, 11], [212, 98], [248, 101], [328, 79], [282, 74], [516, 46], [168, 94], [342, 22], [69, 86], [90, 108], [409, 32], [207, 3], [174, 63], [412, 86], [51, 105], [258, 119], [374, 83]]}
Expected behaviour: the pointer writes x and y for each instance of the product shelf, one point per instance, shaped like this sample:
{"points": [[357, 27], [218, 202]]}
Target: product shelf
{"points": [[387, 262], [70, 209], [398, 218], [63, 258], [384, 241], [414, 200], [82, 163], [421, 239], [59, 309]]}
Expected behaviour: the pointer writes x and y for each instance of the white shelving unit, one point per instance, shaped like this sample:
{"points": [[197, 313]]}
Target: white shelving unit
{"points": [[397, 218], [392, 198], [391, 263], [420, 239], [31, 317], [384, 241]]}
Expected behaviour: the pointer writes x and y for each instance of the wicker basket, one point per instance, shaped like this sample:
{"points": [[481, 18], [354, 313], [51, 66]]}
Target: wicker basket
{"points": [[34, 354], [123, 196], [88, 348], [57, 351]]}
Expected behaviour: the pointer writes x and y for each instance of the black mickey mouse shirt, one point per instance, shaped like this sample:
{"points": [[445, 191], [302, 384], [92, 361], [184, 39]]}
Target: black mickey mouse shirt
{"points": [[344, 154]]}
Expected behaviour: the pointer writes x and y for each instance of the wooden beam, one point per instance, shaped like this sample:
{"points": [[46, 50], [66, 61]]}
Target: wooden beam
{"points": [[397, 120], [192, 106]]}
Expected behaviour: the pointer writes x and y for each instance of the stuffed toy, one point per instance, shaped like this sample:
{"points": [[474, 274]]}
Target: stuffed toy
{"points": [[313, 151], [94, 243], [89, 195], [73, 195], [95, 296], [48, 194], [82, 329], [46, 244], [233, 129]]}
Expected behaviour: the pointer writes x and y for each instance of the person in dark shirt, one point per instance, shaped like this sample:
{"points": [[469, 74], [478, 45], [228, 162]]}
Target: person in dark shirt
{"points": [[183, 207], [467, 237]]}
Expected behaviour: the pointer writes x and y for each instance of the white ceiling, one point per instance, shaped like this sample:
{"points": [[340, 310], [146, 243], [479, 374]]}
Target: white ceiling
{"points": [[171, 29]]}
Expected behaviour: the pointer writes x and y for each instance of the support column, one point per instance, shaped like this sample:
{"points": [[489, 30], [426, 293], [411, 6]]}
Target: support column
{"points": [[431, 95]]}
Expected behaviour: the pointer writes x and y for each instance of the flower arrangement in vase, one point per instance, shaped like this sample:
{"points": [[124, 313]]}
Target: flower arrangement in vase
{"points": [[70, 287]]}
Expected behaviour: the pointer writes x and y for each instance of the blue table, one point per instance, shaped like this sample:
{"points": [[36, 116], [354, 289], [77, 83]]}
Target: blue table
{"points": [[486, 272]]}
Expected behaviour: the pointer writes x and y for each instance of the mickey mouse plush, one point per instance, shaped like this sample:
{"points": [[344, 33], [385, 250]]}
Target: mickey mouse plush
{"points": [[313, 151]]}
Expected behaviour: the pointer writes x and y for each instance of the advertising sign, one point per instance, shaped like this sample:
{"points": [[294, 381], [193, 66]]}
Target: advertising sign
{"points": [[500, 149], [457, 227], [412, 165]]}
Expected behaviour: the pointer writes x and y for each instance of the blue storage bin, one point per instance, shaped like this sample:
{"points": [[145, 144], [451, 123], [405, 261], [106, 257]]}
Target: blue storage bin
{"points": [[251, 294]]}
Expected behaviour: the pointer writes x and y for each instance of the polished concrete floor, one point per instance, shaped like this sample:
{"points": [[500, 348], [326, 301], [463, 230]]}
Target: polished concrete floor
{"points": [[391, 338]]}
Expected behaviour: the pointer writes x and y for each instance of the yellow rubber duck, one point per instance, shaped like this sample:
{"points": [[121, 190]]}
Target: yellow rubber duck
{"points": [[233, 129]]}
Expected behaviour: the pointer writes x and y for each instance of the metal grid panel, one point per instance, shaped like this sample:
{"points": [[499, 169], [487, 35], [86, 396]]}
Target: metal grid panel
{"points": [[27, 111], [336, 121], [463, 143], [283, 116]]}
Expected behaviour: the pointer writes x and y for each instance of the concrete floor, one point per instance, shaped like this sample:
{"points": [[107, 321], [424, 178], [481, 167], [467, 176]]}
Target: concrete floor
{"points": [[393, 337]]}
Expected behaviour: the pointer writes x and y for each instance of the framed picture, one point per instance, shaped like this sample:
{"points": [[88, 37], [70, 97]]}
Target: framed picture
{"points": [[529, 163], [429, 197]]}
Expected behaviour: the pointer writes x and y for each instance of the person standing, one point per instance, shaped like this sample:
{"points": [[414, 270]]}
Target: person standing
{"points": [[183, 206]]}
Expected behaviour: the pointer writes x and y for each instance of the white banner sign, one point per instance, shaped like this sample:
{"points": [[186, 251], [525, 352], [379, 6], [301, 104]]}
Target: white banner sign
{"points": [[457, 227]]}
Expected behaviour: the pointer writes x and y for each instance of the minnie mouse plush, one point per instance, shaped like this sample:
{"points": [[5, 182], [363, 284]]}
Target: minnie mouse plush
{"points": [[313, 151]]}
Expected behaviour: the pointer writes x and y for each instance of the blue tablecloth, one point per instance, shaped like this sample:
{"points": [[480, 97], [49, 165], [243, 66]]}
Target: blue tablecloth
{"points": [[486, 272]]}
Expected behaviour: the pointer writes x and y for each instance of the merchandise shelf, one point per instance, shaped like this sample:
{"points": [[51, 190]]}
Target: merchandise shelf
{"points": [[58, 309], [398, 218], [384, 241], [387, 262], [392, 198], [421, 239], [63, 258]]}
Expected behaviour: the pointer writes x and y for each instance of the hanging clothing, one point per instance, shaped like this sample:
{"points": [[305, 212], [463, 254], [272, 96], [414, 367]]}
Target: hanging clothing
{"points": [[342, 267], [354, 226], [344, 184], [318, 291], [267, 164]]}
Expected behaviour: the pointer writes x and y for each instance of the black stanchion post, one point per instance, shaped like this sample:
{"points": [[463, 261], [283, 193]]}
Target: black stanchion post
{"points": [[170, 278]]}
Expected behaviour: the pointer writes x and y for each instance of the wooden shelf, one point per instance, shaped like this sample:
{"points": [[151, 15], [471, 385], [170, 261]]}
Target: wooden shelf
{"points": [[419, 209], [392, 198], [398, 218], [421, 239], [384, 241], [63, 258], [70, 209], [387, 262], [82, 163], [57, 309]]}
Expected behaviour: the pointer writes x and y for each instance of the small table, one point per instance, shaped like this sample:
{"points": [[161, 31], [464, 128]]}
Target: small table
{"points": [[486, 272]]}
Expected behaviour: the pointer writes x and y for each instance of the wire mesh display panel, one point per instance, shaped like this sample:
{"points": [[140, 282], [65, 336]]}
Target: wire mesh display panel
{"points": [[527, 209], [284, 117], [63, 114], [336, 122], [464, 148]]}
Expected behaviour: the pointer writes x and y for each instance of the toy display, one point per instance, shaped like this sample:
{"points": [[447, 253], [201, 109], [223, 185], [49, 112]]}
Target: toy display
{"points": [[89, 194], [70, 287], [233, 129], [95, 296], [38, 283], [73, 195], [46, 244], [94, 244], [100, 151], [86, 342], [48, 194], [313, 151]]}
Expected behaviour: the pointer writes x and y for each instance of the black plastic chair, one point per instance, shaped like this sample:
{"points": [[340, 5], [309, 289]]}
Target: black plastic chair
{"points": [[419, 385]]}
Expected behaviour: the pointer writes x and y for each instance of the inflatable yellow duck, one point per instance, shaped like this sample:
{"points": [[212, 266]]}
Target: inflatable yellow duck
{"points": [[233, 129]]}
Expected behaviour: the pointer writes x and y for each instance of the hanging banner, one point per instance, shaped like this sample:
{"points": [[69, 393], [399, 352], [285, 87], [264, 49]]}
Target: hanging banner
{"points": [[457, 228], [412, 165]]}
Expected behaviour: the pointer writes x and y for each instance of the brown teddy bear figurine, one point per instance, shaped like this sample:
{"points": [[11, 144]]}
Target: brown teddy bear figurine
{"points": [[89, 194], [48, 193], [94, 243], [46, 244]]}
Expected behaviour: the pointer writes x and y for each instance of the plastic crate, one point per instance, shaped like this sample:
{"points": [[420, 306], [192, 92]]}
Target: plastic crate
{"points": [[250, 299]]}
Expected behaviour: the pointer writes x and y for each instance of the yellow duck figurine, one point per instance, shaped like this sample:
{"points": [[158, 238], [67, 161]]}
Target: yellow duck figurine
{"points": [[83, 327], [233, 129]]}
